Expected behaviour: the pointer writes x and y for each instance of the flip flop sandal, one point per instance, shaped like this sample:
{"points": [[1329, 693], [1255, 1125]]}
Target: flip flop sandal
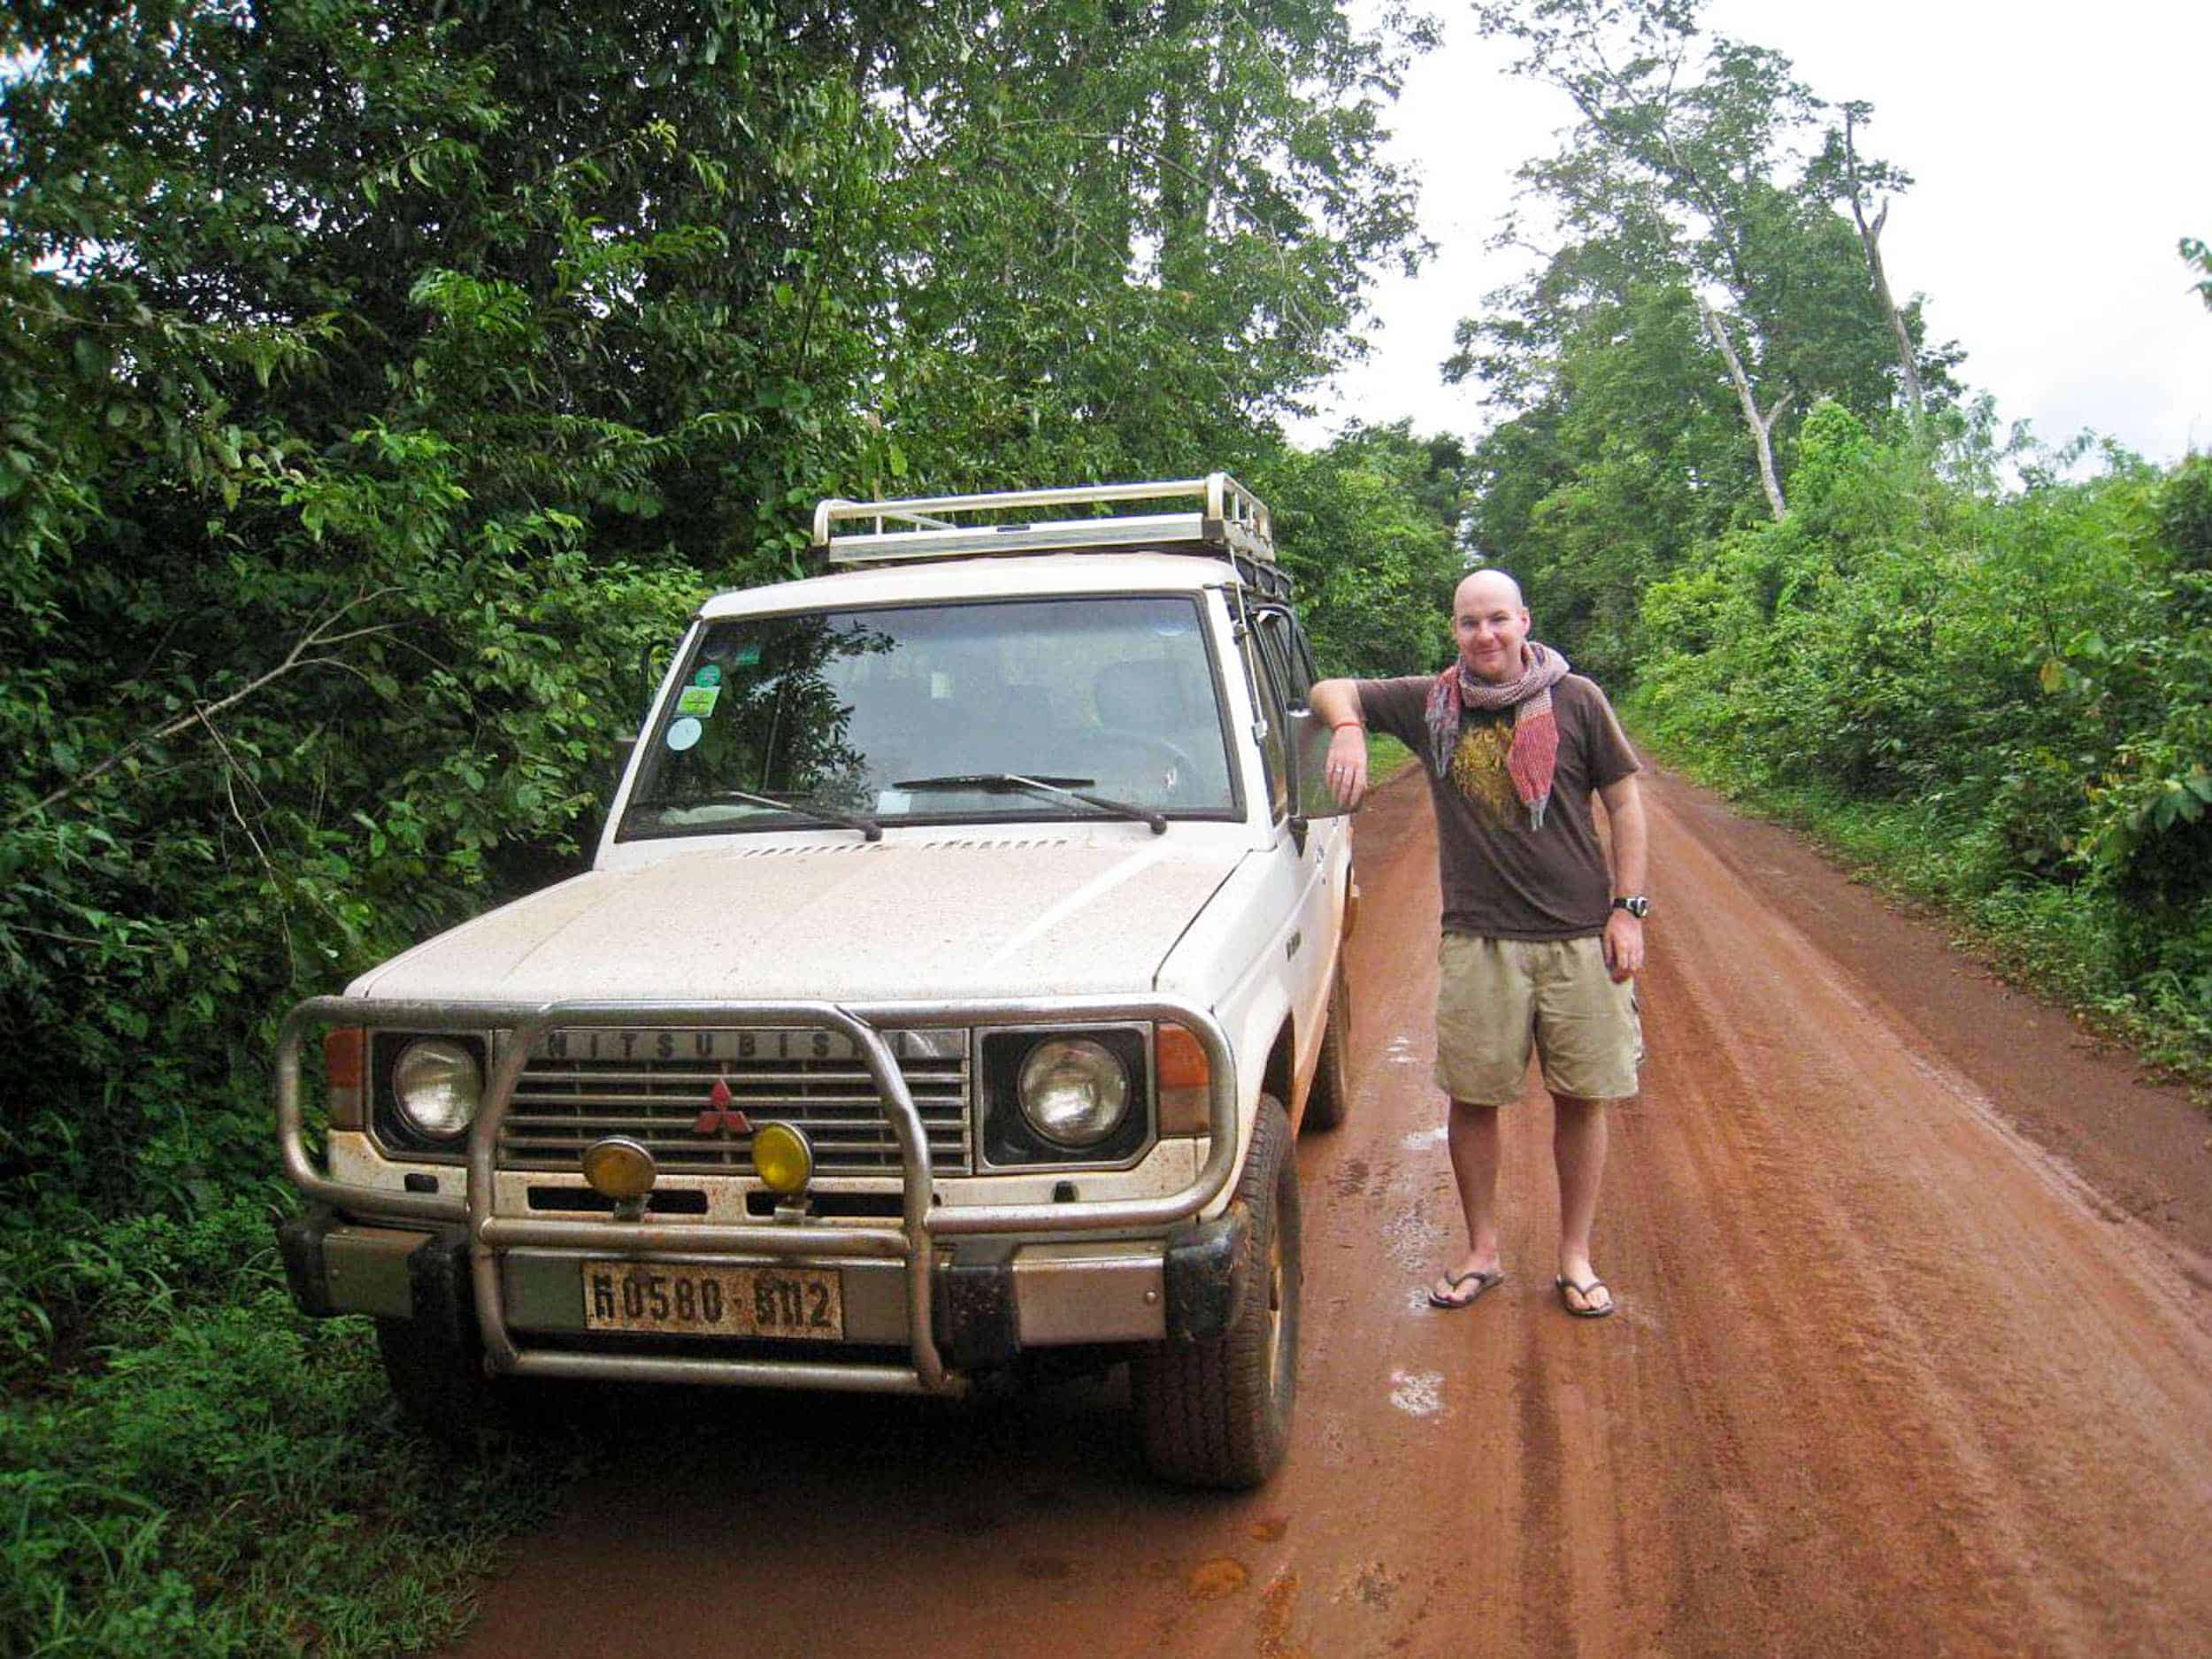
{"points": [[1483, 1282], [1585, 1291]]}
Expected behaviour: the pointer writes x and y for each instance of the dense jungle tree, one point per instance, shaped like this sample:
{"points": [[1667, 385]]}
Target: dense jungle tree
{"points": [[1371, 528], [378, 377], [1703, 292]]}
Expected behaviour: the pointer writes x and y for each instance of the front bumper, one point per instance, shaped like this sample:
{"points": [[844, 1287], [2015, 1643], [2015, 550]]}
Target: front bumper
{"points": [[957, 1287], [990, 1300]]}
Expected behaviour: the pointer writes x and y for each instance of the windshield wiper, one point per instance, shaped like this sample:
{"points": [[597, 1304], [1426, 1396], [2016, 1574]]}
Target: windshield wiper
{"points": [[867, 826], [1000, 782]]}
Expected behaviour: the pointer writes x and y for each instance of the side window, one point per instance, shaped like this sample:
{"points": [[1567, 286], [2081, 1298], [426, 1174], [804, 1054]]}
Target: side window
{"points": [[1286, 655], [1274, 708], [1302, 659]]}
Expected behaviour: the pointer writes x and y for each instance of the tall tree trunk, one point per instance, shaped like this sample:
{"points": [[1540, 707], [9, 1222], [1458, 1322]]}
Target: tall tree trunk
{"points": [[1182, 241], [1762, 425], [1871, 240]]}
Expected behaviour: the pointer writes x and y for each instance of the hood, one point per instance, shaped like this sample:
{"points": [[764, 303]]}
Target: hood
{"points": [[849, 921]]}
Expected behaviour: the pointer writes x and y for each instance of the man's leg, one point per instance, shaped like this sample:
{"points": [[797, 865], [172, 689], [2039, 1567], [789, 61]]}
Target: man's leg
{"points": [[1578, 1148], [1475, 1142], [1485, 1029]]}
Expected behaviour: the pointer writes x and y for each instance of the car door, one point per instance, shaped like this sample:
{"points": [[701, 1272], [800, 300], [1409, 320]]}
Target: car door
{"points": [[1318, 848]]}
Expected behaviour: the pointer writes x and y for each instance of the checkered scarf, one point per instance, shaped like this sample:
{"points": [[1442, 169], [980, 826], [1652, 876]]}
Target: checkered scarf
{"points": [[1535, 754]]}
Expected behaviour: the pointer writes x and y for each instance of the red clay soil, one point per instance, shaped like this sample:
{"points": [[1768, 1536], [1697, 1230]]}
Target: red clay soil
{"points": [[1914, 1358]]}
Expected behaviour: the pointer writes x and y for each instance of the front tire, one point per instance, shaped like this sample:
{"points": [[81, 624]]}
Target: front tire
{"points": [[1217, 1413]]}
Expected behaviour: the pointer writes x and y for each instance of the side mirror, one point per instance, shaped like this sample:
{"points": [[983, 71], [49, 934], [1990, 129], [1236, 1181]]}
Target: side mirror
{"points": [[1310, 796], [624, 747]]}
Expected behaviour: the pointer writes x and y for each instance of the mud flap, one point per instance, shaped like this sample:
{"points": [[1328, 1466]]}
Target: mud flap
{"points": [[974, 1314], [444, 1296], [300, 1243], [1202, 1276]]}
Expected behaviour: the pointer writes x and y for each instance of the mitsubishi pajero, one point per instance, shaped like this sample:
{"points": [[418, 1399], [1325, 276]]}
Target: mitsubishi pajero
{"points": [[961, 957]]}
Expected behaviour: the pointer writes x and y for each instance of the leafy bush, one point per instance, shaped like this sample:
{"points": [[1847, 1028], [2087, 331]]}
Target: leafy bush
{"points": [[2014, 684], [210, 1473]]}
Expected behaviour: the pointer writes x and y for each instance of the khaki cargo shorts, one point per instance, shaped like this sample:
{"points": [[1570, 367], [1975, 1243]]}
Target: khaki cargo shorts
{"points": [[1495, 998]]}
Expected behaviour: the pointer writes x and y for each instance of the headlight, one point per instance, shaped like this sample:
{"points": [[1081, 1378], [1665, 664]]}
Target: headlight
{"points": [[1073, 1091], [437, 1087]]}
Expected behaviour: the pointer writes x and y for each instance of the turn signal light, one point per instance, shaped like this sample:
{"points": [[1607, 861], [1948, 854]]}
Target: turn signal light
{"points": [[1179, 1061], [620, 1168], [782, 1158], [345, 1063]]}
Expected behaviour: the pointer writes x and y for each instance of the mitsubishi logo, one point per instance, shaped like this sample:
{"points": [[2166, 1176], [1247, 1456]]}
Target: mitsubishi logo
{"points": [[721, 1114]]}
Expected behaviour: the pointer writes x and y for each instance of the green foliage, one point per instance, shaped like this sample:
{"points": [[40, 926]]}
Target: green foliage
{"points": [[216, 1475], [1698, 193], [357, 446], [2021, 681], [1156, 232], [378, 380], [1369, 527], [1945, 652], [2198, 253]]}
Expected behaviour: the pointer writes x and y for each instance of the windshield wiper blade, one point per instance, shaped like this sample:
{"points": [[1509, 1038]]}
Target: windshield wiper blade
{"points": [[867, 826], [1004, 780]]}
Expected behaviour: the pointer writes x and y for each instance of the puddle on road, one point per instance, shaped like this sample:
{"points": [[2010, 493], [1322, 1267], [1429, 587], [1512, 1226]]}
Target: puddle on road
{"points": [[1223, 1575], [1418, 1394]]}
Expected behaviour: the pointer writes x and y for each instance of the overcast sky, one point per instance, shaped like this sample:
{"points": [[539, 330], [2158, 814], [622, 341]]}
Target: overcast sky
{"points": [[2058, 154]]}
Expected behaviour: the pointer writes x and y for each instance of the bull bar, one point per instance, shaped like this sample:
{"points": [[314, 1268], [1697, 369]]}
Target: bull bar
{"points": [[913, 1241]]}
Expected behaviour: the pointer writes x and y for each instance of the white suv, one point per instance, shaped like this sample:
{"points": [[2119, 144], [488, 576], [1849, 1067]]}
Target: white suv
{"points": [[962, 954]]}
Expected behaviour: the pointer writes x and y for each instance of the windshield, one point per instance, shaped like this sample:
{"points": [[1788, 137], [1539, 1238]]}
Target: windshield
{"points": [[832, 710]]}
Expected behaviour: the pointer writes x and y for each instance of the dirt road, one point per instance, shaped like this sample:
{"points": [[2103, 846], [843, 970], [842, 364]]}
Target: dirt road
{"points": [[1892, 1376]]}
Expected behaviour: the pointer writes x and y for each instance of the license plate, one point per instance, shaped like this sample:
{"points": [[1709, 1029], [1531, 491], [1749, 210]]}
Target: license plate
{"points": [[666, 1301]]}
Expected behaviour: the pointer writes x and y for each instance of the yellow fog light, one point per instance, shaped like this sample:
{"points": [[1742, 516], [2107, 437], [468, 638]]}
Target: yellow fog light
{"points": [[619, 1168], [782, 1157]]}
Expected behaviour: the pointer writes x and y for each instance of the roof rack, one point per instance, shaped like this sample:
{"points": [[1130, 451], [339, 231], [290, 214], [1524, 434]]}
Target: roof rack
{"points": [[1232, 523]]}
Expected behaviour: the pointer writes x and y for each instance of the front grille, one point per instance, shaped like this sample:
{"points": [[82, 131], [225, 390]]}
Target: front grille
{"points": [[582, 1085]]}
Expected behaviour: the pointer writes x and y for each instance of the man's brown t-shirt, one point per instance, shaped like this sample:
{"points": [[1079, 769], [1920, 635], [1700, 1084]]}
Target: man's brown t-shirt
{"points": [[1500, 878]]}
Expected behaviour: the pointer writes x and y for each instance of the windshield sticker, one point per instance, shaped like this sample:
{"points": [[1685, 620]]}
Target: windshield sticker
{"points": [[699, 700], [745, 656], [684, 733], [709, 675]]}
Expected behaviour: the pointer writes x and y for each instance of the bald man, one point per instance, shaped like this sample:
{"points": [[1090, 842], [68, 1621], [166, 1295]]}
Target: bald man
{"points": [[1542, 938]]}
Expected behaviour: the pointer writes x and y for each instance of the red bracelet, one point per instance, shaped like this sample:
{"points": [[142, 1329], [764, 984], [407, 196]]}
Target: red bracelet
{"points": [[1340, 724]]}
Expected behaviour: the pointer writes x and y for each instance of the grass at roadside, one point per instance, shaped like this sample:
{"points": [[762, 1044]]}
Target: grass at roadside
{"points": [[189, 1468], [2057, 938]]}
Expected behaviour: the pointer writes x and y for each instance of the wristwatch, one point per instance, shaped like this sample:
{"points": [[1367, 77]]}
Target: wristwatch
{"points": [[1635, 903]]}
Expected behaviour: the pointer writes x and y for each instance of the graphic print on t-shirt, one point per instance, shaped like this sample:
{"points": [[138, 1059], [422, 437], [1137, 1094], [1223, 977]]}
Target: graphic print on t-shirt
{"points": [[1478, 769]]}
